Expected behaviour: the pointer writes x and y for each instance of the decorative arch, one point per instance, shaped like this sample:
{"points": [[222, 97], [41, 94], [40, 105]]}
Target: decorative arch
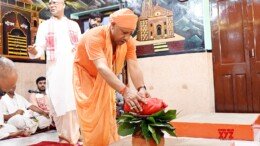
{"points": [[17, 32]]}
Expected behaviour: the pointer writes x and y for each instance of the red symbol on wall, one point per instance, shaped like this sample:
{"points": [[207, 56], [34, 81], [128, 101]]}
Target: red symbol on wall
{"points": [[226, 133]]}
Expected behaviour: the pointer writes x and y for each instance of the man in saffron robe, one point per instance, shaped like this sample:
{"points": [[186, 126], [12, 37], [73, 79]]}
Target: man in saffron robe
{"points": [[99, 59], [59, 36]]}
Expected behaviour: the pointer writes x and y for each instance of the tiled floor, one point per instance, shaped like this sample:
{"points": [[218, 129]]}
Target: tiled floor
{"points": [[25, 141]]}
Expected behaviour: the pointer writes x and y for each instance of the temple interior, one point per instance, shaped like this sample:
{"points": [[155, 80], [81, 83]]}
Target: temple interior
{"points": [[198, 57]]}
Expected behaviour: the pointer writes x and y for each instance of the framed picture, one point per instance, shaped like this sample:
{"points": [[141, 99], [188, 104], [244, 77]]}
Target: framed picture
{"points": [[18, 31], [168, 26]]}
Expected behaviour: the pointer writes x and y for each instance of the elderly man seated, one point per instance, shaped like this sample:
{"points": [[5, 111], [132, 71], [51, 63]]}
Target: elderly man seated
{"points": [[22, 114], [9, 131], [8, 78]]}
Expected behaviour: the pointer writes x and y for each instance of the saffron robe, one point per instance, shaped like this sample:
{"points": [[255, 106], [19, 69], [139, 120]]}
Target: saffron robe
{"points": [[95, 99]]}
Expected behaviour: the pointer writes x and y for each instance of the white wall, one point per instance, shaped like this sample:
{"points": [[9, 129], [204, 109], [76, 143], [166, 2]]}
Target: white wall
{"points": [[27, 74], [184, 81]]}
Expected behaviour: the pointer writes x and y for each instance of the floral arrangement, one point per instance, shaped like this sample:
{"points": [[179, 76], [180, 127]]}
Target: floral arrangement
{"points": [[147, 126]]}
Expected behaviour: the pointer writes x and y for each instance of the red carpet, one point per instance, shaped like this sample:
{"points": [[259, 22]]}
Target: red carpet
{"points": [[50, 143]]}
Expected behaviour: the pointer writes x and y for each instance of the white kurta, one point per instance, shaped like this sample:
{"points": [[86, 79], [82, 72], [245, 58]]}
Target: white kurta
{"points": [[11, 105], [23, 122], [5, 129], [1, 114], [59, 72]]}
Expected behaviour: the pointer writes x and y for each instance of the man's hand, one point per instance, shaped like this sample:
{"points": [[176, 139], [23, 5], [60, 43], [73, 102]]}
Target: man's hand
{"points": [[132, 99], [45, 114], [19, 112], [32, 49], [143, 93]]}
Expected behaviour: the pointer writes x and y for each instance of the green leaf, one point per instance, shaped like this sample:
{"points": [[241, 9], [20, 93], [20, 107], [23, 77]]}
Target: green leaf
{"points": [[161, 121], [169, 115], [126, 118], [136, 118], [156, 137], [171, 112], [122, 120], [126, 129], [126, 115], [169, 131], [163, 125], [158, 114], [145, 131], [135, 121], [151, 119]]}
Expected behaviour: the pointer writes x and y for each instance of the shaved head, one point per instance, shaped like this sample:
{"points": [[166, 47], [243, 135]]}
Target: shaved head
{"points": [[6, 66], [8, 74]]}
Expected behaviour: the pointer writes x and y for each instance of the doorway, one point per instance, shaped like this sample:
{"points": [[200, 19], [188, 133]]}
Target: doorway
{"points": [[236, 55]]}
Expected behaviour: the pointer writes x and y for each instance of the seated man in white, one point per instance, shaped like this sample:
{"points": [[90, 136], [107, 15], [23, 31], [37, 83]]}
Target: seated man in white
{"points": [[9, 131], [22, 114]]}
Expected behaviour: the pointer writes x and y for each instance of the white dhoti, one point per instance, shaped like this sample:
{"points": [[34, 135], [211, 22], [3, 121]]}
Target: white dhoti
{"points": [[67, 125], [23, 123], [29, 121], [59, 72], [42, 121], [6, 129], [62, 100]]}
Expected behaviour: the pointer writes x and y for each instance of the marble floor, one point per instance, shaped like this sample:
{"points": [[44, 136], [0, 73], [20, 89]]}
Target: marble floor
{"points": [[52, 136], [25, 141], [188, 141]]}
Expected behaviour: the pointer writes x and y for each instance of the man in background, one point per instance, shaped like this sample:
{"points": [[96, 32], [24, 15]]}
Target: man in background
{"points": [[39, 97], [95, 19]]}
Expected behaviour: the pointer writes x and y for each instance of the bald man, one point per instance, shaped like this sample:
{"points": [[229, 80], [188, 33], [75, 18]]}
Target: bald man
{"points": [[8, 78], [59, 36], [8, 75], [99, 59]]}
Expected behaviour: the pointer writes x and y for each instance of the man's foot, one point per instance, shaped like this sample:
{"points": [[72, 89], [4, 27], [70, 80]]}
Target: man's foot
{"points": [[20, 133], [25, 133], [63, 140], [79, 143]]}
